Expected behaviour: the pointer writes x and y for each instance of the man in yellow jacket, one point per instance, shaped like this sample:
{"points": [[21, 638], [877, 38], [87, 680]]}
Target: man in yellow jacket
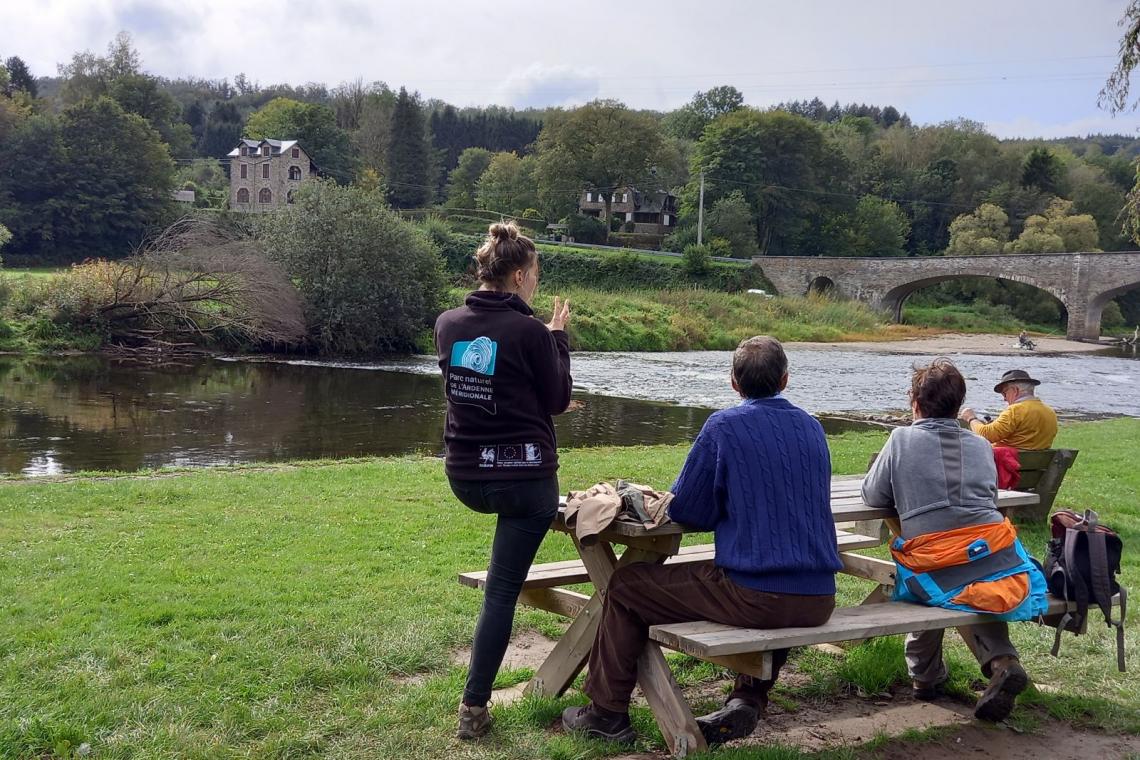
{"points": [[1026, 423]]}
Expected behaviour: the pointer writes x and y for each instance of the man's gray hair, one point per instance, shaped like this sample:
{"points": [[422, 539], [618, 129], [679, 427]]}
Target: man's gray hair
{"points": [[758, 364], [1023, 389]]}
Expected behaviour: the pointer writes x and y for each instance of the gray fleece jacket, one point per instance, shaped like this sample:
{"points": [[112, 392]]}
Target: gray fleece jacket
{"points": [[937, 476]]}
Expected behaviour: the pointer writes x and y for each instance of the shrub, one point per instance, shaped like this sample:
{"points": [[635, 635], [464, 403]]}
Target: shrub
{"points": [[586, 229], [697, 258], [372, 281]]}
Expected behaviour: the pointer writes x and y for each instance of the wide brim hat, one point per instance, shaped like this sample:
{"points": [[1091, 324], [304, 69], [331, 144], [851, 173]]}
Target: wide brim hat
{"points": [[1015, 376]]}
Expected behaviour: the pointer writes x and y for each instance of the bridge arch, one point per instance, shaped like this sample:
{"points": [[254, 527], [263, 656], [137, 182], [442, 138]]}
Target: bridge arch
{"points": [[894, 298], [822, 285]]}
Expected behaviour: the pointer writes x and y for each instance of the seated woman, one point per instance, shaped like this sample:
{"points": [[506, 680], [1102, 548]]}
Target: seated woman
{"points": [[953, 548]]}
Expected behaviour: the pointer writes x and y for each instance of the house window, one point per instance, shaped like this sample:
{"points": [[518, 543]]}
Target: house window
{"points": [[625, 197], [265, 171], [289, 197], [294, 172], [244, 151], [244, 171], [296, 152], [666, 220], [613, 198], [589, 197], [243, 195], [265, 150], [265, 195]]}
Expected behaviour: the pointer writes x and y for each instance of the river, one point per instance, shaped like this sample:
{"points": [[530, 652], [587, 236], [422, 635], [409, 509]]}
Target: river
{"points": [[67, 414]]}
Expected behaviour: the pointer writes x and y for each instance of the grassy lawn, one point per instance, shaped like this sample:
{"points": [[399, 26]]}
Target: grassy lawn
{"points": [[295, 612], [33, 271]]}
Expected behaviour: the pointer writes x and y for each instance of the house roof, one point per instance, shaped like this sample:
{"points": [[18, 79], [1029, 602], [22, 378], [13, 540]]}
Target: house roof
{"points": [[278, 146]]}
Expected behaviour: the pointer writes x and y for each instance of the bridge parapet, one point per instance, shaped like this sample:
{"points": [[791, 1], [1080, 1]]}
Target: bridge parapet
{"points": [[1082, 282]]}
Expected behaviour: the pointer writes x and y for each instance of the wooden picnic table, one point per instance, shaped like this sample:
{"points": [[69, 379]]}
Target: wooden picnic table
{"points": [[661, 544]]}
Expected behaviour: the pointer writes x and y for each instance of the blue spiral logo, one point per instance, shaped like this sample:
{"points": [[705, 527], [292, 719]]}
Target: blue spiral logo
{"points": [[477, 355]]}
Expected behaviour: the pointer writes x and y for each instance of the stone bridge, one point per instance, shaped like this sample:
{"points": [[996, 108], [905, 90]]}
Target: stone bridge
{"points": [[1082, 282]]}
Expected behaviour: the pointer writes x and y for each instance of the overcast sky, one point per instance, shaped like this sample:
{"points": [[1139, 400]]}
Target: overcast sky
{"points": [[1024, 68]]}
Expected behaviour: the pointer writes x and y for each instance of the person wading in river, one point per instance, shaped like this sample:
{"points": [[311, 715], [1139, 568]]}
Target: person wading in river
{"points": [[505, 374]]}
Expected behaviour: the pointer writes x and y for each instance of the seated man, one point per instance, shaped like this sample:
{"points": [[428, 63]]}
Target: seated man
{"points": [[759, 477], [953, 548], [1026, 423]]}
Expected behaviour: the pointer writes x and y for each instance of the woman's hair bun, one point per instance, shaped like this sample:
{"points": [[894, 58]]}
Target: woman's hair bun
{"points": [[503, 231]]}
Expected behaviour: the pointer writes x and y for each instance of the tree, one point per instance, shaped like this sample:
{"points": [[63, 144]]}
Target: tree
{"points": [[372, 281], [688, 121], [781, 165], [20, 77], [374, 136], [409, 174], [90, 184], [982, 232], [730, 219], [1042, 170], [879, 228], [222, 130], [314, 126], [1057, 231], [1114, 95], [602, 146], [461, 182], [5, 236], [507, 185]]}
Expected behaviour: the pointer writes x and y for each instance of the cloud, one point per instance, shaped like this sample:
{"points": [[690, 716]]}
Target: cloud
{"points": [[154, 20], [539, 85]]}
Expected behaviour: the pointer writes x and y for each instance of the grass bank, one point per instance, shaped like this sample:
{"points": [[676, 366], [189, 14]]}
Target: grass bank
{"points": [[696, 319], [305, 611]]}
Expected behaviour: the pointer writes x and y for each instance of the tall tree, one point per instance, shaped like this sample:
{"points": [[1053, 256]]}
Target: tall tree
{"points": [[20, 77], [984, 231], [409, 161], [781, 164], [316, 129], [221, 131], [507, 185], [690, 120], [1042, 170], [463, 178], [602, 146]]}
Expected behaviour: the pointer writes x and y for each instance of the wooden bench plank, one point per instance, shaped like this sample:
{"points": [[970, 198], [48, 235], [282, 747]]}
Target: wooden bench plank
{"points": [[703, 638], [568, 572]]}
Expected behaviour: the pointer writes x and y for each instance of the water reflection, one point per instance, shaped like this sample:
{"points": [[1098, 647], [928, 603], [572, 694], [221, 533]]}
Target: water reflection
{"points": [[91, 413]]}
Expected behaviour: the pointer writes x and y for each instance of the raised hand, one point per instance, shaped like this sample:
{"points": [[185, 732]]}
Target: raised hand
{"points": [[560, 316]]}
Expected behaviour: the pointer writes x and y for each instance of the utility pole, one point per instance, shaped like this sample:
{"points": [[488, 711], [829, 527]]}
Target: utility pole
{"points": [[701, 211]]}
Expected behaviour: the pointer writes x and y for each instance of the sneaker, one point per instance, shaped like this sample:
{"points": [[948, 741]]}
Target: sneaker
{"points": [[737, 719], [473, 722], [996, 702], [588, 720]]}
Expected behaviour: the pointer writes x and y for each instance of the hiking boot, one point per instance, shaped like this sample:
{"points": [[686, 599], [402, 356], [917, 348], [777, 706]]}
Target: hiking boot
{"points": [[1008, 680], [926, 692], [737, 719], [473, 722], [599, 724]]}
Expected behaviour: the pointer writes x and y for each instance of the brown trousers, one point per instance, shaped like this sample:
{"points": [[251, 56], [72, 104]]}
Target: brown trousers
{"points": [[643, 595]]}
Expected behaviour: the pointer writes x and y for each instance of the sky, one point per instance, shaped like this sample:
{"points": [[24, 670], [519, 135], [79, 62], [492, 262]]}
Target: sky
{"points": [[1024, 68]]}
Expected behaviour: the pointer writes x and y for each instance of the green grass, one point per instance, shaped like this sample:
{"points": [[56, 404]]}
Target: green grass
{"points": [[280, 612], [33, 271], [697, 319], [977, 318]]}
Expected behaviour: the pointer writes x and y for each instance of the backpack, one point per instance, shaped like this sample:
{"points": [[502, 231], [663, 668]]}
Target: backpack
{"points": [[1081, 565]]}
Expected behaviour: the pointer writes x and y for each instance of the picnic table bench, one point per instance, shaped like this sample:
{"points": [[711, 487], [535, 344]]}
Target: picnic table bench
{"points": [[743, 650]]}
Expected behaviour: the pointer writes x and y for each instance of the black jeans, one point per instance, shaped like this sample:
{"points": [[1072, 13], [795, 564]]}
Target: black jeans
{"points": [[525, 509]]}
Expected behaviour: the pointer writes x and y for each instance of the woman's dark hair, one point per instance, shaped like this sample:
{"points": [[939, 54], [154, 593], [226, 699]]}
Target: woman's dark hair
{"points": [[504, 251], [938, 388], [758, 364]]}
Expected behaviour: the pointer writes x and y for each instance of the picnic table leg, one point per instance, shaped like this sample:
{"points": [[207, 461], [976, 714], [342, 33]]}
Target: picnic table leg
{"points": [[674, 718]]}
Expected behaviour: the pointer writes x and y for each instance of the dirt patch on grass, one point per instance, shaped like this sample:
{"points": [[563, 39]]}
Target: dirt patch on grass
{"points": [[528, 649]]}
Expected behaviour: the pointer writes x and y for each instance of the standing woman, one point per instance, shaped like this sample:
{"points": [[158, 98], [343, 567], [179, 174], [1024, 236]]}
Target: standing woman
{"points": [[505, 374]]}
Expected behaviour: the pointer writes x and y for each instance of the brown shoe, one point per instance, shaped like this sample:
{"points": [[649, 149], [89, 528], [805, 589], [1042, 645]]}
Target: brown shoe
{"points": [[473, 722], [1008, 680]]}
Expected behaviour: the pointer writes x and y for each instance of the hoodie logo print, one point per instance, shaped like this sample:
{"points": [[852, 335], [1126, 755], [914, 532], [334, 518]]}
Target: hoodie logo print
{"points": [[476, 355]]}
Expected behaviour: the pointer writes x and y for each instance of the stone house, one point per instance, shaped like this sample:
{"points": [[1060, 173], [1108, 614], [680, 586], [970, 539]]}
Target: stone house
{"points": [[643, 213], [264, 174]]}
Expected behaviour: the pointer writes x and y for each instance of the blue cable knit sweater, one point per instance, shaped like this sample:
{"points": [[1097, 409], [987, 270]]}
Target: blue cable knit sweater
{"points": [[759, 477]]}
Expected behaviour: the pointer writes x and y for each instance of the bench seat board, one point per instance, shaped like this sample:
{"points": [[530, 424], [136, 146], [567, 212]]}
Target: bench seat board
{"points": [[552, 574], [866, 621]]}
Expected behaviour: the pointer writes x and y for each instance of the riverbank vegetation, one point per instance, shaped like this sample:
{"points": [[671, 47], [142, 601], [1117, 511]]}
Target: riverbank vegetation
{"points": [[313, 609]]}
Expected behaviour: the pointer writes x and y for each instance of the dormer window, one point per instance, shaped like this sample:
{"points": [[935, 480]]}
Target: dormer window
{"points": [[265, 150], [296, 152], [244, 151]]}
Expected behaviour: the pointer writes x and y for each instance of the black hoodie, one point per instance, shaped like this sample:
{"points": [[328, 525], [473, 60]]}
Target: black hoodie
{"points": [[504, 374]]}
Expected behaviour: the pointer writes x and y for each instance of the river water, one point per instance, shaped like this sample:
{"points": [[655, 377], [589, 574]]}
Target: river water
{"points": [[67, 414]]}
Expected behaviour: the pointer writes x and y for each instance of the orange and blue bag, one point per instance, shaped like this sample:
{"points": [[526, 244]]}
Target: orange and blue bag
{"points": [[977, 568]]}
